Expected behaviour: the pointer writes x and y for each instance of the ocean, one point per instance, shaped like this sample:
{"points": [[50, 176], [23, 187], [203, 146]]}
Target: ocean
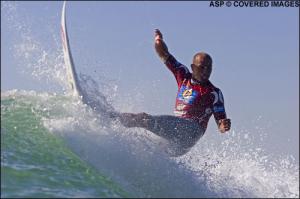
{"points": [[52, 145]]}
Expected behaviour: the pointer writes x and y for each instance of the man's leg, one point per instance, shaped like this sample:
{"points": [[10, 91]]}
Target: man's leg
{"points": [[181, 131], [142, 120]]}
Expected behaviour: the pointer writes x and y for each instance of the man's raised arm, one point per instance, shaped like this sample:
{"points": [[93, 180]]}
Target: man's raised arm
{"points": [[160, 46], [179, 70]]}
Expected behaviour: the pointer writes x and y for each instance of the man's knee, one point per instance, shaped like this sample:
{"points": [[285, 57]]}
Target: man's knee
{"points": [[126, 119], [146, 120], [143, 120]]}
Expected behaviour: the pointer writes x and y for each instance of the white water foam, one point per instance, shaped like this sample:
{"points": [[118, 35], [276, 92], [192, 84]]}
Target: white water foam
{"points": [[233, 168]]}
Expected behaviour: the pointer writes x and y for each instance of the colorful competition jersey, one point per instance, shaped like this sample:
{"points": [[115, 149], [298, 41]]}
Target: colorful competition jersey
{"points": [[193, 100]]}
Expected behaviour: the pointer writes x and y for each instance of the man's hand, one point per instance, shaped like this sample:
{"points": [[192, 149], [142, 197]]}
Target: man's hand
{"points": [[224, 125], [158, 36], [160, 46]]}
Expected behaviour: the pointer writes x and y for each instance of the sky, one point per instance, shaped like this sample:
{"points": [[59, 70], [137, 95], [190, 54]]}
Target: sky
{"points": [[254, 50]]}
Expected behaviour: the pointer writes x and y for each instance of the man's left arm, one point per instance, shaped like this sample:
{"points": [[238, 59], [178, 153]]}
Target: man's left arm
{"points": [[221, 119]]}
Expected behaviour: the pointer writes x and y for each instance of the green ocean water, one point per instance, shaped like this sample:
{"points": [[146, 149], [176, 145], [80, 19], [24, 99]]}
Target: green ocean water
{"points": [[37, 163]]}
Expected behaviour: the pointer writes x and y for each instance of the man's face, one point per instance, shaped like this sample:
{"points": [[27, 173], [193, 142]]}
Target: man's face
{"points": [[201, 72], [202, 66]]}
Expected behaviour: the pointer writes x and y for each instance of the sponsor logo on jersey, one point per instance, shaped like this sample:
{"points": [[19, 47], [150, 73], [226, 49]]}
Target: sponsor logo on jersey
{"points": [[187, 95]]}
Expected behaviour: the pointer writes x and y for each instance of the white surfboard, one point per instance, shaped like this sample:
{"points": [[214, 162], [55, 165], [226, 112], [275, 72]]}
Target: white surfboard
{"points": [[72, 77], [76, 90]]}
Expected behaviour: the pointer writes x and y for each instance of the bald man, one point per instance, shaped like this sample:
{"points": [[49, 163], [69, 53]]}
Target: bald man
{"points": [[197, 100]]}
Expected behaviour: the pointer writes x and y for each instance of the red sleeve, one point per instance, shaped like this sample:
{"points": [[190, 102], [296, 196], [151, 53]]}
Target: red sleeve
{"points": [[180, 71]]}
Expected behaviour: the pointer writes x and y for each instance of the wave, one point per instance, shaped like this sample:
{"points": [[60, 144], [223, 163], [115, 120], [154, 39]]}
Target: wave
{"points": [[34, 162], [133, 158]]}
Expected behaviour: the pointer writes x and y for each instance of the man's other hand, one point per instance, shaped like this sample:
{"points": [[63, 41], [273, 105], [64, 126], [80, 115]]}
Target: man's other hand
{"points": [[224, 125]]}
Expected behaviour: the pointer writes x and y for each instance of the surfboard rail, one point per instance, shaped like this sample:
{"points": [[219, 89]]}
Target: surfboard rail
{"points": [[72, 77]]}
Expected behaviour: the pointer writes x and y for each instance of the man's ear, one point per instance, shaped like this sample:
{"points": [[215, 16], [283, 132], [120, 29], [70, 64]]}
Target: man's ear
{"points": [[192, 67]]}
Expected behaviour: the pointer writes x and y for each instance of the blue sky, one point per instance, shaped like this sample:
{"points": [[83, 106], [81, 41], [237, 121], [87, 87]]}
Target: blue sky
{"points": [[254, 50]]}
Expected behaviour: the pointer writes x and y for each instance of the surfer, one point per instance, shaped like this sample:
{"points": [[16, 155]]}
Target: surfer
{"points": [[197, 100]]}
